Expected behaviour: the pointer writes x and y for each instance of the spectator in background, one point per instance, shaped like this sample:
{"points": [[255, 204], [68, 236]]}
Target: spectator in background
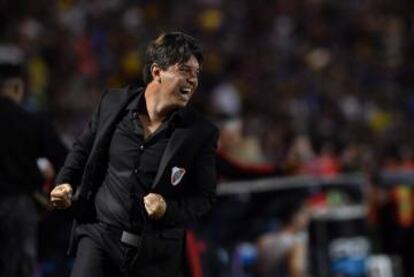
{"points": [[232, 164], [24, 138], [282, 252]]}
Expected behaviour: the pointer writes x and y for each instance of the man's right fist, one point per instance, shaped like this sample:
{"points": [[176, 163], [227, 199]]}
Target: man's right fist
{"points": [[61, 196]]}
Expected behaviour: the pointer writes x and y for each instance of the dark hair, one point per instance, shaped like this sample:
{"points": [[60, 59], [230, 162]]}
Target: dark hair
{"points": [[168, 49], [11, 62], [9, 71]]}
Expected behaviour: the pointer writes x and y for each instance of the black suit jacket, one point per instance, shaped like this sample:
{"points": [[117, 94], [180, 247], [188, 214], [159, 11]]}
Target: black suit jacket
{"points": [[25, 137], [191, 147]]}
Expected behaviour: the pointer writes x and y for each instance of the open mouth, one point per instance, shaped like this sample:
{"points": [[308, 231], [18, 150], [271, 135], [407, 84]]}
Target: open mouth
{"points": [[185, 91]]}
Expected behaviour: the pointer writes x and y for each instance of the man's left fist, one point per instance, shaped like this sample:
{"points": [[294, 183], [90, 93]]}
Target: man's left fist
{"points": [[155, 205]]}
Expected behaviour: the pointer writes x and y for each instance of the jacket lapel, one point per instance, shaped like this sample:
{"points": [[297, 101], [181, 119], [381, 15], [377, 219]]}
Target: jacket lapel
{"points": [[119, 108], [179, 137], [116, 109]]}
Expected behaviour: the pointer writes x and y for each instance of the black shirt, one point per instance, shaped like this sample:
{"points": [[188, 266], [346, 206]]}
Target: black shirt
{"points": [[132, 165]]}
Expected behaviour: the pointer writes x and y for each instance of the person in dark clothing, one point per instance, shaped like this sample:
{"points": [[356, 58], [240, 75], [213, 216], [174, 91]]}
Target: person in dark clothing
{"points": [[142, 170], [24, 137]]}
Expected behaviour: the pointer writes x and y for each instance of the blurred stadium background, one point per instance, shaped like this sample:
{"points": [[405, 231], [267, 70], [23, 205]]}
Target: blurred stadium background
{"points": [[318, 93]]}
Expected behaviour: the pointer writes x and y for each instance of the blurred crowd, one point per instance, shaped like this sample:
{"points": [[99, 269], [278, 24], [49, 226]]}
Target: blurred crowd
{"points": [[320, 82], [315, 86]]}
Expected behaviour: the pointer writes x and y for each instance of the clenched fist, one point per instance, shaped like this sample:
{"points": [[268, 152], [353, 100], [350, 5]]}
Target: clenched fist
{"points": [[155, 205], [61, 196]]}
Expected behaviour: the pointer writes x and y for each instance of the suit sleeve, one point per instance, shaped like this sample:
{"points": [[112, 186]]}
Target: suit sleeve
{"points": [[202, 192], [75, 162]]}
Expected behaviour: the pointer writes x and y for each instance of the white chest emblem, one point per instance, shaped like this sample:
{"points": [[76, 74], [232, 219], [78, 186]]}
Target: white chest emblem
{"points": [[177, 173]]}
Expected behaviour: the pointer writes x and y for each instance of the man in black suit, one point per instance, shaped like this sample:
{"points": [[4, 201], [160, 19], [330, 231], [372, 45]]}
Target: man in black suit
{"points": [[142, 170], [24, 137]]}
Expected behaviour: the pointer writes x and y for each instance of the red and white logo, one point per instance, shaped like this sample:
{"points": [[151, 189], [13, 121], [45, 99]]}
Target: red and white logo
{"points": [[177, 174]]}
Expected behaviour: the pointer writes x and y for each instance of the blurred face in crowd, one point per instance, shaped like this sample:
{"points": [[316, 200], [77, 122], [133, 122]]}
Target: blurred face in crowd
{"points": [[12, 88], [178, 82]]}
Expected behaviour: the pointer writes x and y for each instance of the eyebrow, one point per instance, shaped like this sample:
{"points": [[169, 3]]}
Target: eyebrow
{"points": [[184, 66]]}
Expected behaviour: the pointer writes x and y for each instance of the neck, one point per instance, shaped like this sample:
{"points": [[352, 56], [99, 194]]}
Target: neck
{"points": [[157, 110]]}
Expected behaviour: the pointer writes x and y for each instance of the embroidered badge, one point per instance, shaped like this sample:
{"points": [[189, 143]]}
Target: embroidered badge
{"points": [[176, 175]]}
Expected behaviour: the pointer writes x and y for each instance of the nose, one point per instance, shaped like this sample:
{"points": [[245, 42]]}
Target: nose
{"points": [[193, 79]]}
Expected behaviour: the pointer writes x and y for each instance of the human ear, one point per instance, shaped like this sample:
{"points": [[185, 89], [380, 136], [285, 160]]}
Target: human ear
{"points": [[155, 72]]}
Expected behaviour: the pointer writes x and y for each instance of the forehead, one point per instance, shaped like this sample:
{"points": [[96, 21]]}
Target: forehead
{"points": [[191, 62]]}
